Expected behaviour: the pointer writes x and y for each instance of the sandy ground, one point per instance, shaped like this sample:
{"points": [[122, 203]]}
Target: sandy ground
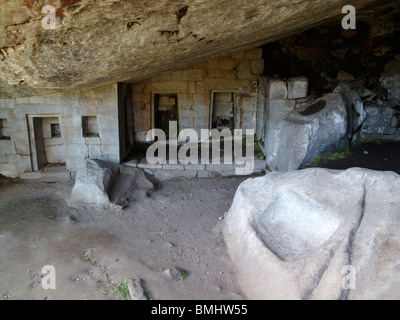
{"points": [[94, 250]]}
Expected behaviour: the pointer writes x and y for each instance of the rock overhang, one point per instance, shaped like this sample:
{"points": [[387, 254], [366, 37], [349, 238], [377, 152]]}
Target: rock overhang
{"points": [[97, 43]]}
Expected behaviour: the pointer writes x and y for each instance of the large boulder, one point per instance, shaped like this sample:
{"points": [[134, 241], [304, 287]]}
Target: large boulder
{"points": [[317, 234], [94, 182], [315, 129], [103, 184]]}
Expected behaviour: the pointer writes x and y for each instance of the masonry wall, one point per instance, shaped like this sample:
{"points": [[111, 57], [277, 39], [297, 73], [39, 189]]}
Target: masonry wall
{"points": [[194, 86], [18, 153]]}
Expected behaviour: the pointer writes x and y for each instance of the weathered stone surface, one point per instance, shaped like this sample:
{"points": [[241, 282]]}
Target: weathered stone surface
{"points": [[297, 87], [136, 290], [105, 184], [380, 121], [55, 174], [174, 273], [100, 42], [295, 235], [390, 79], [311, 130], [277, 89], [131, 185], [94, 182]]}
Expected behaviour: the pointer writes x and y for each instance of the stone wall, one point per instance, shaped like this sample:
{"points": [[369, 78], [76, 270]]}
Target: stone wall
{"points": [[20, 153], [195, 85]]}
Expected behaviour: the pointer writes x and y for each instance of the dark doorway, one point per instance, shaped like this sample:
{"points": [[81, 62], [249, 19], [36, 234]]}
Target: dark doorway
{"points": [[39, 143], [223, 111], [166, 109]]}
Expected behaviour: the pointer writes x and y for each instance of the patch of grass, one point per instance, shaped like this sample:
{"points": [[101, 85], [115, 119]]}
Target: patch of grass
{"points": [[121, 288], [379, 140], [335, 156], [86, 255], [182, 275], [7, 206]]}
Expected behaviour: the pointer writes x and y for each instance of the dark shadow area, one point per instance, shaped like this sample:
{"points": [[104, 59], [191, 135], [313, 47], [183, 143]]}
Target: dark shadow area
{"points": [[378, 155]]}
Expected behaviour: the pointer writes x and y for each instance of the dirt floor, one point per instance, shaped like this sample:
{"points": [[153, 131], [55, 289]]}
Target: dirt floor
{"points": [[94, 251]]}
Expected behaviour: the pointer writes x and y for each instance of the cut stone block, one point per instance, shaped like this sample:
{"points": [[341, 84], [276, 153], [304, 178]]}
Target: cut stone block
{"points": [[192, 75], [196, 167], [9, 170], [277, 90], [55, 174], [253, 54], [257, 66], [7, 147], [164, 175], [95, 151], [173, 167], [31, 175], [297, 87], [219, 167]]}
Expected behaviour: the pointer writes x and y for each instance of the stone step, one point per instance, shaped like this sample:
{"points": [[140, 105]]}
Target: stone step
{"points": [[49, 174]]}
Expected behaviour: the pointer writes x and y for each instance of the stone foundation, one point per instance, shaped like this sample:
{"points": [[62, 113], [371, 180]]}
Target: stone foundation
{"points": [[168, 171]]}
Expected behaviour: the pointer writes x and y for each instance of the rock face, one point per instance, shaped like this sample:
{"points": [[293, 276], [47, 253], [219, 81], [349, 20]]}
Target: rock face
{"points": [[312, 130], [381, 122], [390, 80], [104, 184], [94, 182], [317, 234], [95, 43]]}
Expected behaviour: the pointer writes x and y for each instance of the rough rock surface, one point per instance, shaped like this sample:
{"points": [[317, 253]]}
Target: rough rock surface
{"points": [[317, 234], [104, 184], [313, 130], [94, 182], [381, 122], [99, 42], [390, 80]]}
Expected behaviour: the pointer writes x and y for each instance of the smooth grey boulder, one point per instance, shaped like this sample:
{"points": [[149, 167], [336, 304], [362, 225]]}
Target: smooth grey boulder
{"points": [[317, 234], [309, 131], [94, 182]]}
